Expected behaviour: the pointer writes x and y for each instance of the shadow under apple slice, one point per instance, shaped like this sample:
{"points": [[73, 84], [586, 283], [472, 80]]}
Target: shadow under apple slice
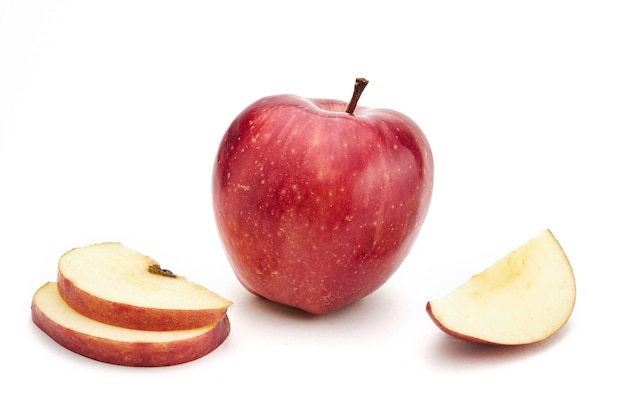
{"points": [[450, 352]]}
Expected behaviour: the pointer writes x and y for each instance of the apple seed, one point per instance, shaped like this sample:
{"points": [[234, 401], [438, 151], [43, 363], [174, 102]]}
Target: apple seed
{"points": [[156, 269]]}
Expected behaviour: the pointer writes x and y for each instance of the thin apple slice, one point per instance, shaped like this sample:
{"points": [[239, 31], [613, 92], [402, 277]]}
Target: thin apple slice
{"points": [[118, 345], [523, 298], [119, 286]]}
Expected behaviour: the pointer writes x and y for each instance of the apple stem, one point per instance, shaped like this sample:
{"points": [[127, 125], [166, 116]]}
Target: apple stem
{"points": [[359, 86]]}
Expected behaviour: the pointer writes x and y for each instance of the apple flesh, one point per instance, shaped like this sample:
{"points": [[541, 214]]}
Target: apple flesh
{"points": [[317, 207], [112, 284], [523, 298], [117, 345]]}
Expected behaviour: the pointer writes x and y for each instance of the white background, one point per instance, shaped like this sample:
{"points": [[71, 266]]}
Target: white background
{"points": [[110, 117]]}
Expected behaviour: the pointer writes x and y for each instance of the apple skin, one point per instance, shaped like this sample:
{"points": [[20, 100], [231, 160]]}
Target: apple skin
{"points": [[316, 208], [136, 353], [134, 317]]}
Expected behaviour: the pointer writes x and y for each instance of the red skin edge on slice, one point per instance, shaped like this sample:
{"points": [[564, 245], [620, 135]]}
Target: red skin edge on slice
{"points": [[134, 317], [456, 334], [140, 354]]}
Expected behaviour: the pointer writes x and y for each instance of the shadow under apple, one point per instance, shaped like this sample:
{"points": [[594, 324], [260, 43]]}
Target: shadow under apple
{"points": [[364, 321]]}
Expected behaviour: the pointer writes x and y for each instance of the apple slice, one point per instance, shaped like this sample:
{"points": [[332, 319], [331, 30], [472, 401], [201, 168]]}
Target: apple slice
{"points": [[523, 298], [115, 285], [118, 345]]}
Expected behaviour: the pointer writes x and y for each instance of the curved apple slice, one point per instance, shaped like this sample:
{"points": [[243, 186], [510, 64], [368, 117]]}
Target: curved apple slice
{"points": [[115, 285], [523, 298], [118, 345]]}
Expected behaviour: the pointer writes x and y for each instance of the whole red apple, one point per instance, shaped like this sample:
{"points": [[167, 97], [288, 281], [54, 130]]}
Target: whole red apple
{"points": [[319, 201]]}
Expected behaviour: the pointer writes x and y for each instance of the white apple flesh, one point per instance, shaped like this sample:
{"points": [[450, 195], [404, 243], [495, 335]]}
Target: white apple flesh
{"points": [[523, 298], [113, 284], [117, 345]]}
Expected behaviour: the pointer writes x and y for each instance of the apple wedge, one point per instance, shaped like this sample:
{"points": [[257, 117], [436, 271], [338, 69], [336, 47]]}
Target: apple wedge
{"points": [[523, 298], [118, 345], [119, 286]]}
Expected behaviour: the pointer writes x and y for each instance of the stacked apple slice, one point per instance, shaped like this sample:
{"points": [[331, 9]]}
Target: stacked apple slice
{"points": [[116, 305]]}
